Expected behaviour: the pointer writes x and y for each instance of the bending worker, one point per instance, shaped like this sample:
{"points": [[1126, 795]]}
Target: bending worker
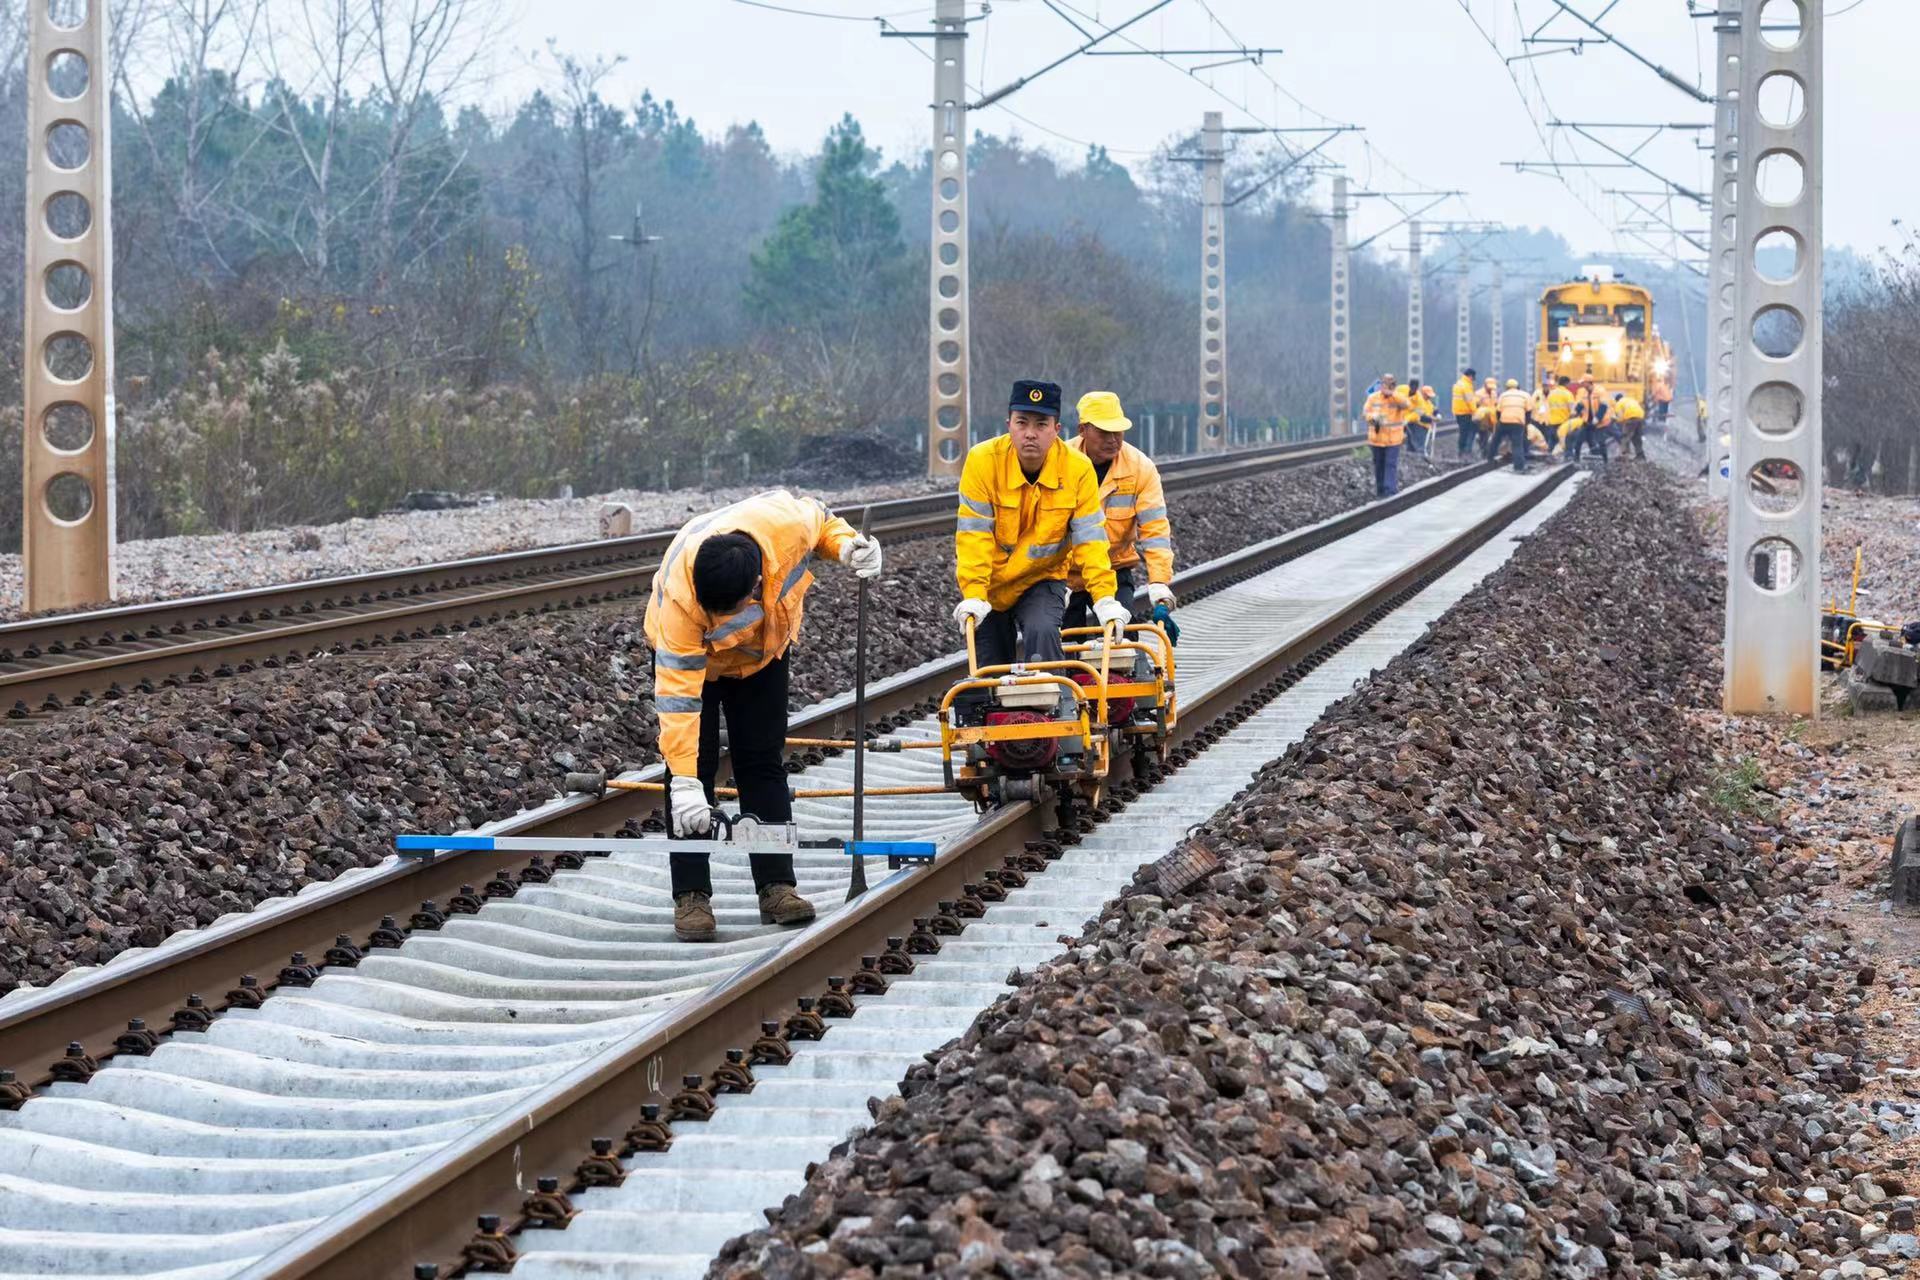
{"points": [[1632, 417], [1029, 513], [1386, 412], [725, 608], [1139, 537], [1465, 398]]}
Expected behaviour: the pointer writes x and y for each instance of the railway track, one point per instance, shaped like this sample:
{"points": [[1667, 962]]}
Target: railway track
{"points": [[74, 659], [351, 1124]]}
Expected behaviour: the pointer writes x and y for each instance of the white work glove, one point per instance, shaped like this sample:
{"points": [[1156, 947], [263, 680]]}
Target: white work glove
{"points": [[975, 609], [862, 555], [1112, 614], [1159, 593], [692, 815]]}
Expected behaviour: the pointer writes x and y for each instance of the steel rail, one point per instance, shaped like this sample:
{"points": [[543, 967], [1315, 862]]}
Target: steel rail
{"points": [[426, 1213], [92, 1007], [47, 663]]}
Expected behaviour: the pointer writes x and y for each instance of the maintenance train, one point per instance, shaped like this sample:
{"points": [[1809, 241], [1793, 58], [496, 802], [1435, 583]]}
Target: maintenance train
{"points": [[1602, 328]]}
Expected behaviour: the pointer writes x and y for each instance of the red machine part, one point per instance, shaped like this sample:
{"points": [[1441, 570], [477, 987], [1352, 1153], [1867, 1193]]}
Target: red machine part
{"points": [[1119, 710], [1026, 754]]}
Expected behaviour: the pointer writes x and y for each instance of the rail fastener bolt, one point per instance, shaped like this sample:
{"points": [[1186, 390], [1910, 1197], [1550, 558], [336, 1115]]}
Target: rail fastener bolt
{"points": [[489, 1250], [649, 1132], [601, 1169], [771, 1047], [548, 1208], [693, 1102]]}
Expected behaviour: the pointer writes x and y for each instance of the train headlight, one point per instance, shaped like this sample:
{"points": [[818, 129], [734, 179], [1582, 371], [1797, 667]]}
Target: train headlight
{"points": [[1613, 353], [1566, 355]]}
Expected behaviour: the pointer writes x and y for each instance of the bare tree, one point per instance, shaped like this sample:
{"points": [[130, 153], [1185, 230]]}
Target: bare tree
{"points": [[205, 48], [424, 52], [323, 46]]}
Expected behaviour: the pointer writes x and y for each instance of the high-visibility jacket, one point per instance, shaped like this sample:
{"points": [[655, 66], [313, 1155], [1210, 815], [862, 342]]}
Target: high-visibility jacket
{"points": [[692, 646], [1513, 406], [1535, 440], [1463, 397], [1386, 413], [1486, 409], [1419, 408], [1630, 409], [1011, 533], [1136, 512], [1559, 406]]}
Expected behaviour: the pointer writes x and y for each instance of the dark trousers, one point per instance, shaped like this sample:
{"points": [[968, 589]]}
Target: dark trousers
{"points": [[1597, 440], [1386, 469], [1513, 433], [1417, 436], [1080, 603], [1465, 425], [1031, 628], [1636, 432], [756, 711]]}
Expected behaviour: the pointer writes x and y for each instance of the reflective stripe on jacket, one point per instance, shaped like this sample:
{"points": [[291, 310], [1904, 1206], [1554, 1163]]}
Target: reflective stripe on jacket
{"points": [[1386, 414], [1463, 397], [1011, 533], [1136, 511], [692, 646], [1513, 407]]}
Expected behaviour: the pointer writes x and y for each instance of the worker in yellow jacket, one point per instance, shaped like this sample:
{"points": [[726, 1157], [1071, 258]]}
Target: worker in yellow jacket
{"points": [[1632, 418], [725, 608], [1466, 397], [1559, 411], [1420, 429], [1139, 535], [1029, 514], [1386, 412], [1486, 416], [1514, 408]]}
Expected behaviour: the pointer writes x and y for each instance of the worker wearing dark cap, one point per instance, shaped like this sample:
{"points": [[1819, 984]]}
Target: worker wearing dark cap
{"points": [[1029, 513]]}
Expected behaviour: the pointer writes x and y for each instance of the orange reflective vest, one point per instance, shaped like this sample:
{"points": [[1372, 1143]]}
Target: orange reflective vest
{"points": [[1386, 414], [1513, 406], [1136, 509], [692, 646]]}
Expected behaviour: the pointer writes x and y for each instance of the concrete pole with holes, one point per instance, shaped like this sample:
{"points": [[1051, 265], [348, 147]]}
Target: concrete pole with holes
{"points": [[1416, 310], [1498, 305], [1213, 285], [1340, 397], [67, 451], [1463, 320], [949, 340], [1717, 458], [1773, 515]]}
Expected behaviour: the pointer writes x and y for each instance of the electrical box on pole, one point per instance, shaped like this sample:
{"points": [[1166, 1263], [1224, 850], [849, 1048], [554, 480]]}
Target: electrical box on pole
{"points": [[949, 355], [1773, 513], [1724, 255], [1499, 307], [68, 537], [1213, 285], [1416, 310], [1339, 398]]}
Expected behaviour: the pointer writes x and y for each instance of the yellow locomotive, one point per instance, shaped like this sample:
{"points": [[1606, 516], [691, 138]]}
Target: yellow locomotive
{"points": [[1602, 328]]}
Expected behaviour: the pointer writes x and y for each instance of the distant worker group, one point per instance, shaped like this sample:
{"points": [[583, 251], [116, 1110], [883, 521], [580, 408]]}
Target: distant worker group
{"points": [[1561, 418], [1048, 531]]}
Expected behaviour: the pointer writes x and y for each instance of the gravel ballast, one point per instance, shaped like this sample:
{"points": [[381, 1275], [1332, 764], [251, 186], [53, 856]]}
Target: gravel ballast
{"points": [[126, 821], [1494, 982]]}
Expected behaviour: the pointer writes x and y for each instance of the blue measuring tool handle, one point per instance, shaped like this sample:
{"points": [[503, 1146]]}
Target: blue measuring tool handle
{"points": [[436, 844], [915, 850]]}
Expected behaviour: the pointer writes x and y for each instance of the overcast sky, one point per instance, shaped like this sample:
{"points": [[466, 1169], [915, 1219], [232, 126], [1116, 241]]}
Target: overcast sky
{"points": [[1428, 80]]}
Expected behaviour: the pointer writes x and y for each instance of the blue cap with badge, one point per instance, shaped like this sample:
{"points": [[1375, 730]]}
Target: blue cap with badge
{"points": [[1031, 396]]}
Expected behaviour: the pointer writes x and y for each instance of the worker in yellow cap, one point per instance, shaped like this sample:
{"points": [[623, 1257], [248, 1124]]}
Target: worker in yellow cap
{"points": [[1486, 416], [1139, 536], [1029, 514], [1386, 412], [1513, 408], [725, 608]]}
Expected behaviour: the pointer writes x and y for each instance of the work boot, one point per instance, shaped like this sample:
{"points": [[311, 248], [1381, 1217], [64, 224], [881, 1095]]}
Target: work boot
{"points": [[693, 918], [780, 904]]}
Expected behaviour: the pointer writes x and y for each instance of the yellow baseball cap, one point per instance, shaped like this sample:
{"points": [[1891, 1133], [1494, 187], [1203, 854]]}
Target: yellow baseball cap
{"points": [[1102, 409]]}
